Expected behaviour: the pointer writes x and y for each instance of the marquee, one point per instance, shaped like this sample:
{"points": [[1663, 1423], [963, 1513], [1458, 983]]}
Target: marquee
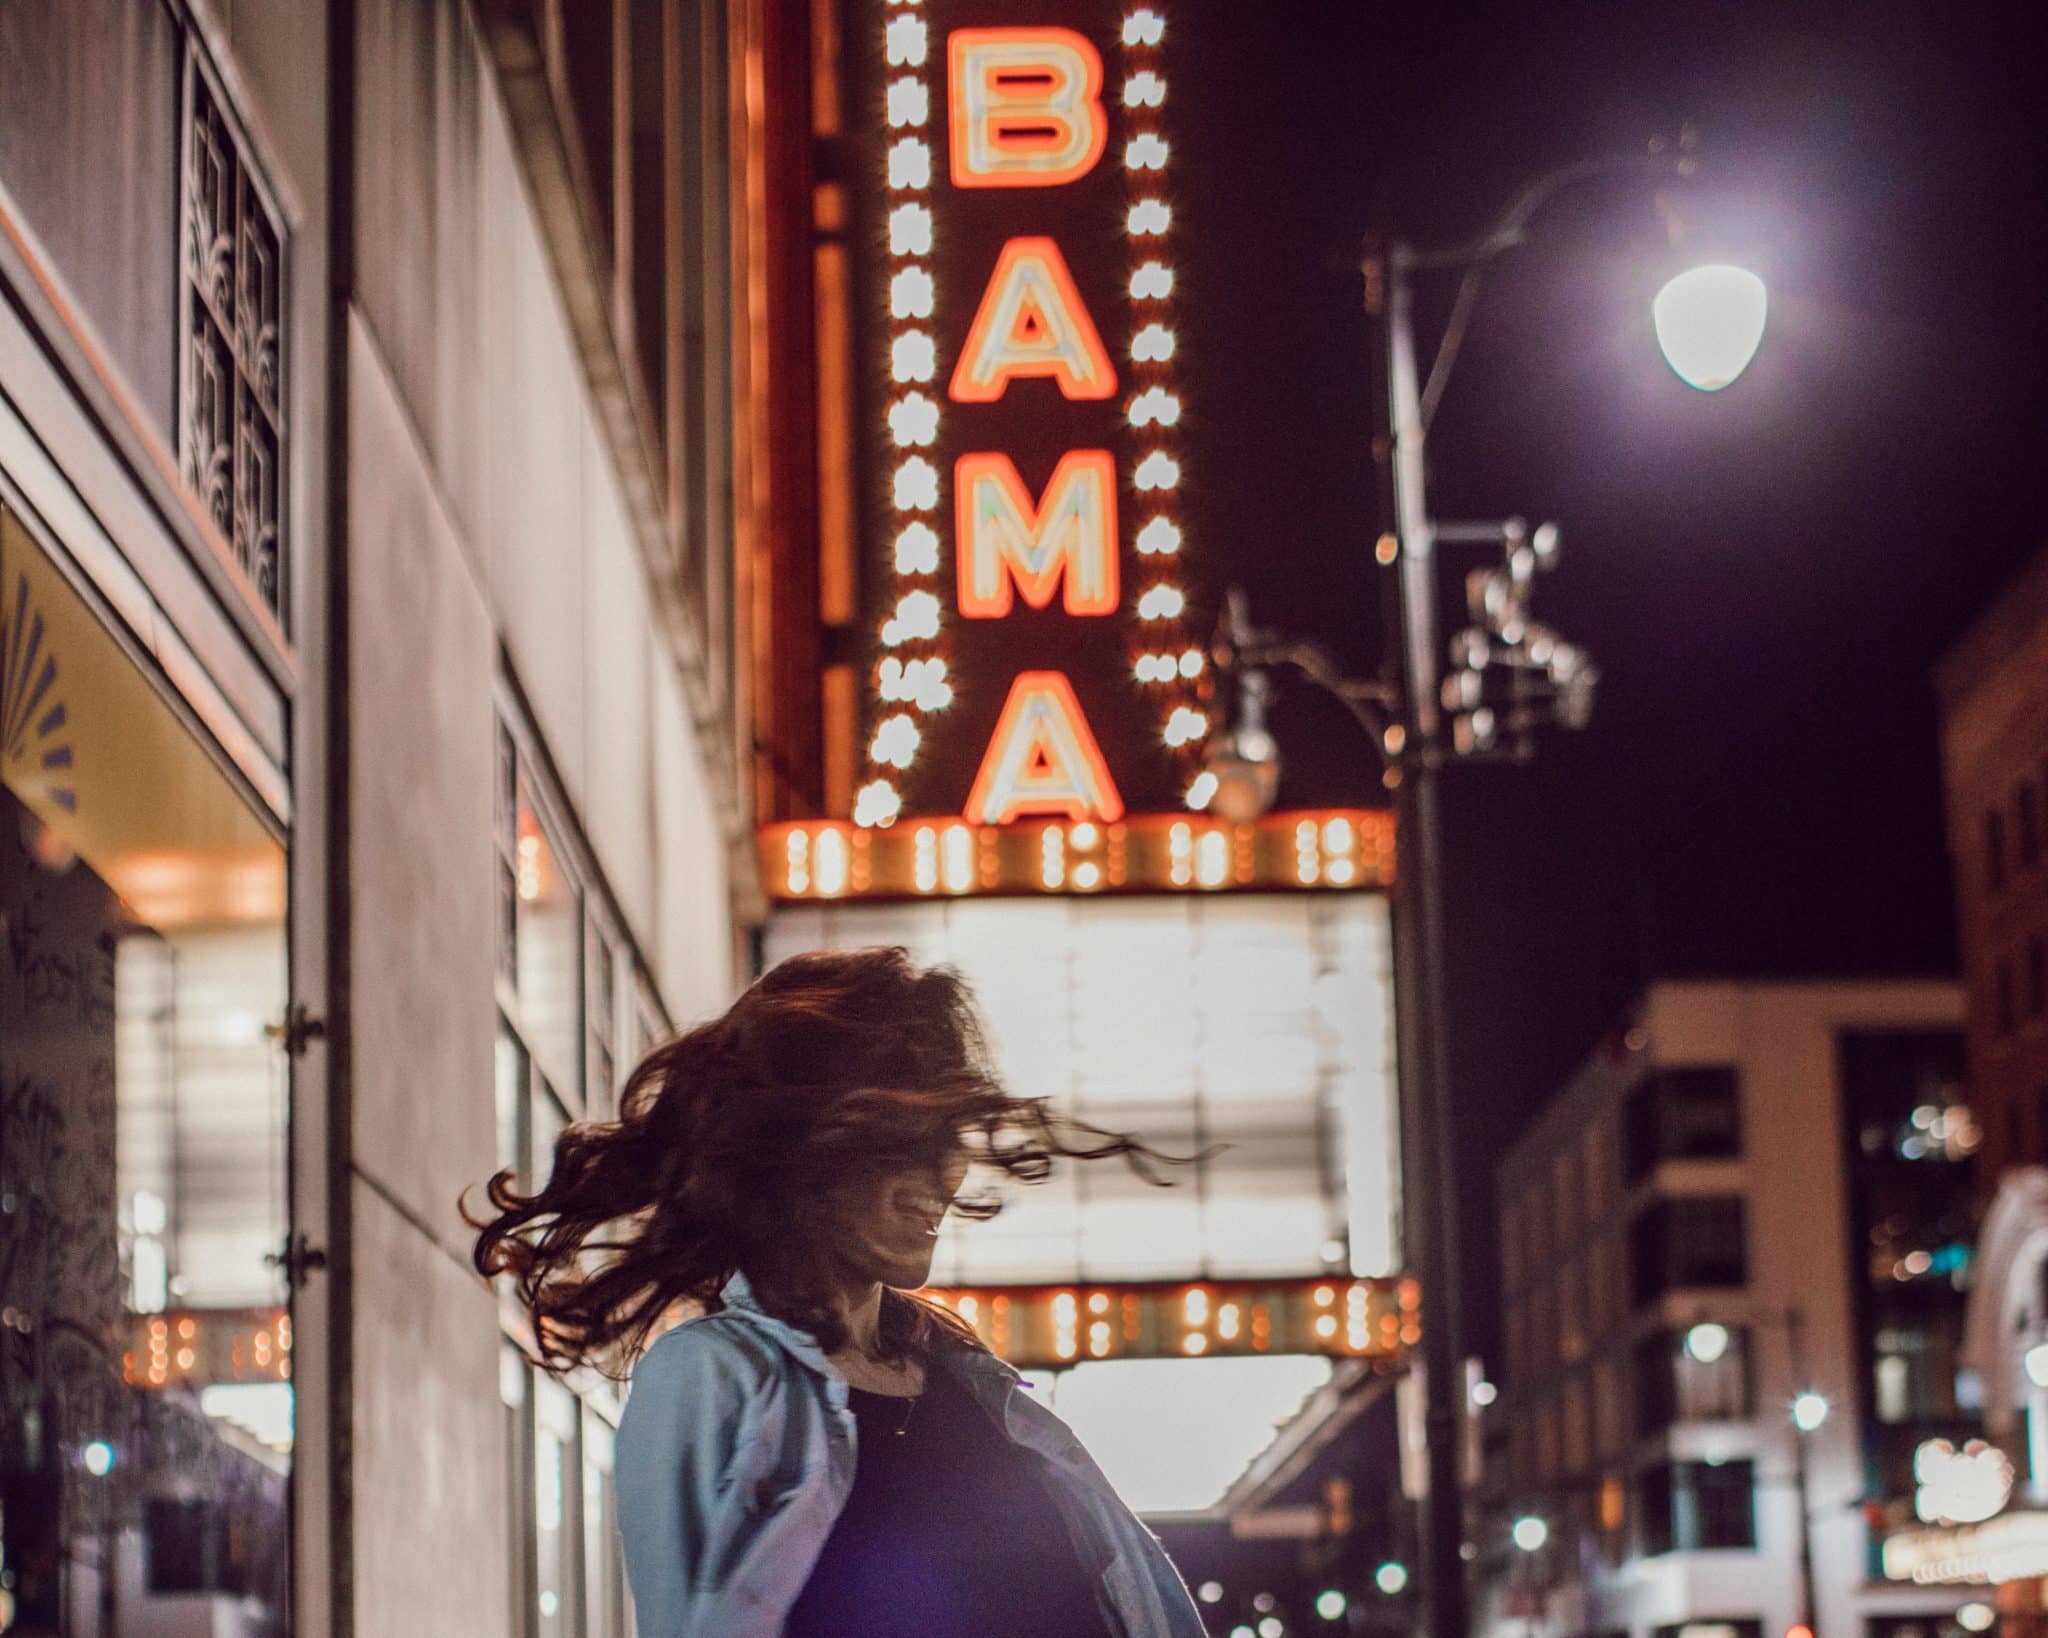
{"points": [[1037, 695]]}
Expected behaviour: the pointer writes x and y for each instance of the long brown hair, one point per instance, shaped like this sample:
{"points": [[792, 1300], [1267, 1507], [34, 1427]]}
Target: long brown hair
{"points": [[730, 1139]]}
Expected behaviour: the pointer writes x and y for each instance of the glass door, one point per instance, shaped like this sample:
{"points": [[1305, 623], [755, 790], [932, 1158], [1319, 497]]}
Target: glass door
{"points": [[146, 1397]]}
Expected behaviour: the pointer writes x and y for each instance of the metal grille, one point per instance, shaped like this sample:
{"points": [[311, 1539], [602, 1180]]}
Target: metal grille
{"points": [[231, 387]]}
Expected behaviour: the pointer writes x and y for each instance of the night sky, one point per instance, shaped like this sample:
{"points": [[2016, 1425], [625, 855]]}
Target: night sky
{"points": [[1765, 577]]}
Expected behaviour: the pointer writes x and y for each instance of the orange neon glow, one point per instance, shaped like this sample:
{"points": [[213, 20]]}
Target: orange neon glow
{"points": [[1027, 107], [1006, 541], [1043, 758], [1032, 322]]}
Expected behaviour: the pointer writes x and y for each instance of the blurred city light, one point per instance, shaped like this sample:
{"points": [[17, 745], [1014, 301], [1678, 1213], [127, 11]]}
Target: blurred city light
{"points": [[1707, 1342], [1809, 1411], [2036, 1362], [1391, 1578], [1531, 1533]]}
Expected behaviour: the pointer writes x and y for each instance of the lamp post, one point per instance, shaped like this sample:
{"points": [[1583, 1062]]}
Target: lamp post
{"points": [[1809, 1414], [1509, 677], [1707, 1342]]}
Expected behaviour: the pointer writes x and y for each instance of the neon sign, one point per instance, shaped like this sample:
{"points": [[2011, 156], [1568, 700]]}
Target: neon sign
{"points": [[1030, 476]]}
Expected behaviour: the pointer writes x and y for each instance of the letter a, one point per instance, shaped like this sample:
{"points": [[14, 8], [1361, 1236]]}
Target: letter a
{"points": [[1027, 107], [1005, 542], [1031, 323], [1043, 759]]}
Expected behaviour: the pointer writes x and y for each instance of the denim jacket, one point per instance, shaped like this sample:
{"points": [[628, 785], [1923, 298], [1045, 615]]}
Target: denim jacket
{"points": [[736, 1454]]}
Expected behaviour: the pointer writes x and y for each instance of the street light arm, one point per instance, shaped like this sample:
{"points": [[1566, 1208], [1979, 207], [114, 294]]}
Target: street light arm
{"points": [[1475, 255], [1369, 702]]}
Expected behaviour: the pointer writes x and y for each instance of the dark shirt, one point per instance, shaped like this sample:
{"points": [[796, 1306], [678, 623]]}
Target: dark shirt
{"points": [[950, 1532]]}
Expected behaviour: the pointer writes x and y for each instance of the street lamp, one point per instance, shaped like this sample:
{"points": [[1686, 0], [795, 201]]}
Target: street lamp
{"points": [[1810, 1411], [1530, 1533], [1707, 1342], [1709, 322], [1509, 676]]}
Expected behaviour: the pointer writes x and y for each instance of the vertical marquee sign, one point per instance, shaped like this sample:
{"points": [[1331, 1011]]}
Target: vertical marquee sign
{"points": [[1034, 657]]}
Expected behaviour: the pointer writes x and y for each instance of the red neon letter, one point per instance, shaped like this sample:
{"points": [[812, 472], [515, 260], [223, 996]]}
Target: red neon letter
{"points": [[1004, 540], [1031, 323], [1043, 759], [1027, 107]]}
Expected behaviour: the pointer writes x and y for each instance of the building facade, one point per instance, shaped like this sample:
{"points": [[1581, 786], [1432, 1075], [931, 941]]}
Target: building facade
{"points": [[1753, 1200], [374, 520], [1993, 689]]}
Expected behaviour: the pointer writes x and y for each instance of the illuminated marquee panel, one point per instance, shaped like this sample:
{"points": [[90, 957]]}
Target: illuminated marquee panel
{"points": [[207, 1348], [1046, 1327], [1000, 351], [1347, 849], [2013, 1547]]}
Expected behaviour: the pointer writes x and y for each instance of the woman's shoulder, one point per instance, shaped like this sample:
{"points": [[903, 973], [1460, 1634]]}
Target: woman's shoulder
{"points": [[716, 1353]]}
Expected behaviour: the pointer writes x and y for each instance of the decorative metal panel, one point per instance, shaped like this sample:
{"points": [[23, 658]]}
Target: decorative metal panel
{"points": [[231, 391]]}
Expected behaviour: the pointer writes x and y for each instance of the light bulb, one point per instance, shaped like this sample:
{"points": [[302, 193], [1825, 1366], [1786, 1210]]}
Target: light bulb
{"points": [[1709, 322]]}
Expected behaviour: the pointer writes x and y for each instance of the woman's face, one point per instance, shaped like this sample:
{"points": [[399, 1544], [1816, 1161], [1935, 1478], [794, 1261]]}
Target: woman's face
{"points": [[890, 1222]]}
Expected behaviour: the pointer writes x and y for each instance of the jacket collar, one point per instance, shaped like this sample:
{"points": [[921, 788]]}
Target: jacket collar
{"points": [[973, 1365]]}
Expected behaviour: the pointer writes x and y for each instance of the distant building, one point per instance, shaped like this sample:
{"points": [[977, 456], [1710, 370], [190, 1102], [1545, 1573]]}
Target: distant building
{"points": [[1994, 743], [1750, 1193], [1994, 728]]}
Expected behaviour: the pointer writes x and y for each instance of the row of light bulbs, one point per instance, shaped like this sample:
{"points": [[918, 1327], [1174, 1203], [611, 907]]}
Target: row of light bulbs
{"points": [[912, 679]]}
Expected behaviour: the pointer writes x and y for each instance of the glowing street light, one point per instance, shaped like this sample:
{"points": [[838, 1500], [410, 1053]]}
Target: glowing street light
{"points": [[1530, 1533], [2035, 1362], [1391, 1578], [1710, 321], [1707, 1342], [1331, 1604], [1809, 1411]]}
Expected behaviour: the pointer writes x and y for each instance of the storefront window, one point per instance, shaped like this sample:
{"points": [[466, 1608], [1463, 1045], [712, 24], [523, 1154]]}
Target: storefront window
{"points": [[145, 1362], [557, 1469], [603, 1557]]}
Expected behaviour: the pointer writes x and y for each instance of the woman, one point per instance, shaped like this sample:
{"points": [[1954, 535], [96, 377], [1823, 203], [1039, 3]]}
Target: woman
{"points": [[820, 1454]]}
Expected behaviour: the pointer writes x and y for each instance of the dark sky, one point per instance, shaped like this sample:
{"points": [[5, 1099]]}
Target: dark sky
{"points": [[1765, 576]]}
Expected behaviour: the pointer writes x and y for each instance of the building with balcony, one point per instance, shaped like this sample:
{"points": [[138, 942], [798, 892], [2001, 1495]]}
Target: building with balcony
{"points": [[1751, 1198]]}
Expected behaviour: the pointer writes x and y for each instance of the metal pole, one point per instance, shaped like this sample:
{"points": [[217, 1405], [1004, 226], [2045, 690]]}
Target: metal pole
{"points": [[1805, 1533], [1796, 1353], [1429, 1195]]}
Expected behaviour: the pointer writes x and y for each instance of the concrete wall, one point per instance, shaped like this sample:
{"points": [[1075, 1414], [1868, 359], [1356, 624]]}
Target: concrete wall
{"points": [[461, 304], [486, 519]]}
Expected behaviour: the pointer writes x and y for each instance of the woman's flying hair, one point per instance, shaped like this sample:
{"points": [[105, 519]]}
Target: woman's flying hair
{"points": [[731, 1140]]}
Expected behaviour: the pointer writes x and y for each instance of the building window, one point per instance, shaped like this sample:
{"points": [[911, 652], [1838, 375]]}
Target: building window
{"points": [[2029, 826], [1688, 1243], [601, 1059], [1937, 1624], [231, 306], [1994, 852], [1913, 1374], [554, 1592], [1570, 1197], [604, 1563], [1690, 1507], [1683, 1114], [147, 1391], [1713, 1629], [1700, 1375]]}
